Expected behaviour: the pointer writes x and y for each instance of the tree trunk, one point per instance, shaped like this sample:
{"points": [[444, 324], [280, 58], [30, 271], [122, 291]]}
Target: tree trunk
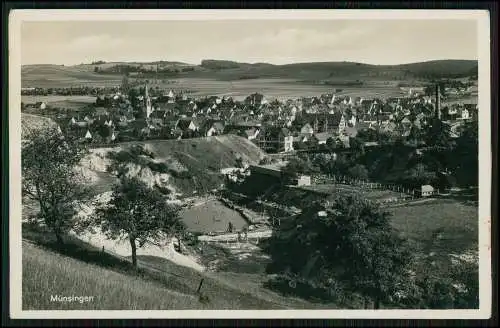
{"points": [[376, 304], [133, 246], [59, 238]]}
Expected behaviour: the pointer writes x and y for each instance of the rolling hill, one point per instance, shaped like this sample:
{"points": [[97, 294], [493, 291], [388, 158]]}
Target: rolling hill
{"points": [[110, 73]]}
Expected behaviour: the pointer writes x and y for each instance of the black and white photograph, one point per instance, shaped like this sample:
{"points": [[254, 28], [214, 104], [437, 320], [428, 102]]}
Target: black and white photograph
{"points": [[250, 163]]}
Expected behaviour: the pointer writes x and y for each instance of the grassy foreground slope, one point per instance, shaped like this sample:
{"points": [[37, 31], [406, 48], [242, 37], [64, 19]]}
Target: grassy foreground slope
{"points": [[47, 273], [81, 269]]}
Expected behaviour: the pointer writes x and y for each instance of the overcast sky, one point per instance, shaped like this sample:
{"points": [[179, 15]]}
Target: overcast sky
{"points": [[279, 41]]}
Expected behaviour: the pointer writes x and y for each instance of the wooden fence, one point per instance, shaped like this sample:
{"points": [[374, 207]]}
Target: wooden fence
{"points": [[406, 194]]}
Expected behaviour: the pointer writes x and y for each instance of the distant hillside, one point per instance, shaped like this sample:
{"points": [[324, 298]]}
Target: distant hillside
{"points": [[51, 76], [110, 73], [327, 70]]}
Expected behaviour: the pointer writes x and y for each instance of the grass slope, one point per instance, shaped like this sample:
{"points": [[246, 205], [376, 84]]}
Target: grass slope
{"points": [[442, 226], [79, 269], [47, 273]]}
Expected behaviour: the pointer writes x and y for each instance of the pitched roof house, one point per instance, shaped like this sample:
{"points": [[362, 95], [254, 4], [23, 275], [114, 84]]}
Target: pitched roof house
{"points": [[307, 129], [275, 139], [212, 127], [185, 124]]}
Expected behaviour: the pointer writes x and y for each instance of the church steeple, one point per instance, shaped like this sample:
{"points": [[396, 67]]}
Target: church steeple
{"points": [[437, 108], [148, 102]]}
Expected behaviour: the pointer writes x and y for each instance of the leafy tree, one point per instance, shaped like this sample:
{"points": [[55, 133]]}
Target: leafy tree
{"points": [[368, 135], [438, 134], [240, 162], [48, 161], [298, 165], [125, 86], [415, 135], [132, 96], [346, 246], [465, 155], [137, 213], [357, 146], [358, 172], [419, 175]]}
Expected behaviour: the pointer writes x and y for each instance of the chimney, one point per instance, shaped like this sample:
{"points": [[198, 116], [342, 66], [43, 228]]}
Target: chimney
{"points": [[438, 103]]}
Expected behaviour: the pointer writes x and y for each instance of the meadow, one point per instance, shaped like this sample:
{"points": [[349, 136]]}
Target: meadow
{"points": [[277, 88], [443, 227], [211, 83], [47, 273], [157, 284], [59, 76], [71, 102]]}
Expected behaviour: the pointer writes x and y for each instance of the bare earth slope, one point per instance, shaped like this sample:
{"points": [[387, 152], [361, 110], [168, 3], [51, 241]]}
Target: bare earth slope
{"points": [[193, 164]]}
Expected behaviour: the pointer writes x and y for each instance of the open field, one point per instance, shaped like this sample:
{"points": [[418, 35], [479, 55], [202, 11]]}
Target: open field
{"points": [[276, 88], [239, 79], [58, 76], [211, 216], [374, 195], [463, 100], [443, 227], [60, 101]]}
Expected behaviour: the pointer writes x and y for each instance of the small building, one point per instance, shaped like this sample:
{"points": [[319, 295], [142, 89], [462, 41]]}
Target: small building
{"points": [[304, 180], [307, 129], [426, 190], [88, 135]]}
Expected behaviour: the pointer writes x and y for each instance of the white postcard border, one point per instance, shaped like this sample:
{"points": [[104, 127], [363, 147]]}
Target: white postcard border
{"points": [[484, 104]]}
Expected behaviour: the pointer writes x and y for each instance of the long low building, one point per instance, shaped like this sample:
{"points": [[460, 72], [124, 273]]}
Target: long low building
{"points": [[275, 171], [269, 169]]}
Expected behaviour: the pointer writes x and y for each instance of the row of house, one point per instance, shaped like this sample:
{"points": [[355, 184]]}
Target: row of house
{"points": [[276, 126]]}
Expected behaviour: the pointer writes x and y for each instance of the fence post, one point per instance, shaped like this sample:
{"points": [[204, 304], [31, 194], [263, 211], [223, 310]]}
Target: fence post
{"points": [[199, 286]]}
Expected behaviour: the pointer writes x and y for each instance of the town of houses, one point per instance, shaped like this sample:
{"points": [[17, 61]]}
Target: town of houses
{"points": [[274, 125]]}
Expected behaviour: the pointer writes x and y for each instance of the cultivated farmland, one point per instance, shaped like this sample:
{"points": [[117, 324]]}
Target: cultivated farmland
{"points": [[60, 101], [58, 76]]}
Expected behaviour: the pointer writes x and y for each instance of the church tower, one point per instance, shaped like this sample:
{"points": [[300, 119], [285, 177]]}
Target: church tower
{"points": [[147, 100], [437, 107]]}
